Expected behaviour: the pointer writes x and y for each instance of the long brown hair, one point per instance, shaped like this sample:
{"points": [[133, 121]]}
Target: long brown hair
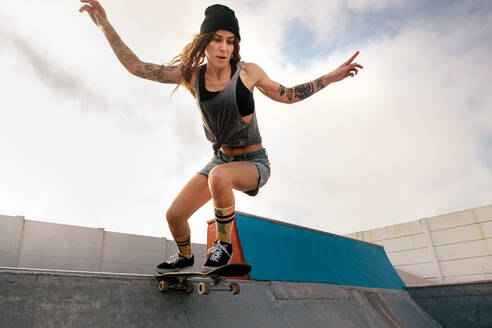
{"points": [[193, 55]]}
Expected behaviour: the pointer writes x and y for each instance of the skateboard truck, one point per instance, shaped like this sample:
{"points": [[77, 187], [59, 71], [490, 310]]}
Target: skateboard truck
{"points": [[207, 281]]}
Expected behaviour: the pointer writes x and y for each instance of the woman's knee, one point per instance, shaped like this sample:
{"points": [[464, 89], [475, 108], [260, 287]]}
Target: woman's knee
{"points": [[173, 217], [218, 179]]}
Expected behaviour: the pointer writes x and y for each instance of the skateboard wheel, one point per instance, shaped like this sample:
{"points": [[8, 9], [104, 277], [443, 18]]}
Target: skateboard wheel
{"points": [[204, 288], [234, 288], [189, 288], [163, 286]]}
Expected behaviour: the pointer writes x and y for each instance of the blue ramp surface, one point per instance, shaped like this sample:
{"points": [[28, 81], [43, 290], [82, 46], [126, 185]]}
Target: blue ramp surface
{"points": [[282, 252]]}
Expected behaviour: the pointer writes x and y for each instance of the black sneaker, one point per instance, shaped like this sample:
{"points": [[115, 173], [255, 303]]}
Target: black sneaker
{"points": [[220, 254], [177, 262]]}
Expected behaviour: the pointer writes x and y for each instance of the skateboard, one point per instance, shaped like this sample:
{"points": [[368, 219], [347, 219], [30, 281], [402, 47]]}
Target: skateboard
{"points": [[214, 279]]}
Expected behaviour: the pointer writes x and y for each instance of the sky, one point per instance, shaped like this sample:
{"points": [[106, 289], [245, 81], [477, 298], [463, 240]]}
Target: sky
{"points": [[83, 142]]}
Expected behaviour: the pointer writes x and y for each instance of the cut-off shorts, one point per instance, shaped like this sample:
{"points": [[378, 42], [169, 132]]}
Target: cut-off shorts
{"points": [[259, 158]]}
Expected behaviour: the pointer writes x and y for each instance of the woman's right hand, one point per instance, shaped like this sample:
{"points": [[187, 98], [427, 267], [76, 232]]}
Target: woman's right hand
{"points": [[96, 12]]}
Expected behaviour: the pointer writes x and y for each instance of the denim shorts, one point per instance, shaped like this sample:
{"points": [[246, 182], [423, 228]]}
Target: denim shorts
{"points": [[259, 158]]}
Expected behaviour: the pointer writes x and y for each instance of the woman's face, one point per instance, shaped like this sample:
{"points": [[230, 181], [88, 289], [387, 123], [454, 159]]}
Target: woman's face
{"points": [[219, 51]]}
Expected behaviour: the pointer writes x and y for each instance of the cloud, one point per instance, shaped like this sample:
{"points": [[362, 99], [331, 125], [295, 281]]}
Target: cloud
{"points": [[54, 76]]}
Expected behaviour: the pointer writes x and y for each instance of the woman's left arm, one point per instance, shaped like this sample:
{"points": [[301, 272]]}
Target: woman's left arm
{"points": [[278, 92]]}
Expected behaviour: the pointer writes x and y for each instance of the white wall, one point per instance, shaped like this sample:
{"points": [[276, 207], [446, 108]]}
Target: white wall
{"points": [[41, 245], [452, 247], [447, 248]]}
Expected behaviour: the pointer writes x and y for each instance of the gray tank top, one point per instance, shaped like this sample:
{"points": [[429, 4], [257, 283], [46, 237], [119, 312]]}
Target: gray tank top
{"points": [[222, 121]]}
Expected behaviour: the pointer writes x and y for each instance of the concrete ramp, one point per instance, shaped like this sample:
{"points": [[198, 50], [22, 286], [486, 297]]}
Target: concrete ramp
{"points": [[456, 305], [35, 298]]}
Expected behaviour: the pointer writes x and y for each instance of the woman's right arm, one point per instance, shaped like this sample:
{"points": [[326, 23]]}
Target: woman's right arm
{"points": [[153, 72]]}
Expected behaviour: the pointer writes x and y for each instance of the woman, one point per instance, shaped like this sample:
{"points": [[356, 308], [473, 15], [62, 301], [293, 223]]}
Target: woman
{"points": [[223, 89]]}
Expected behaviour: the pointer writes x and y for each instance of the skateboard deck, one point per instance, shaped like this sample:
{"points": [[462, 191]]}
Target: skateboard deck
{"points": [[214, 279]]}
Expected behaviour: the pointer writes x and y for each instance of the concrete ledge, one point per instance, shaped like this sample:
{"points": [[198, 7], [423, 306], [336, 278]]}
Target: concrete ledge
{"points": [[51, 298]]}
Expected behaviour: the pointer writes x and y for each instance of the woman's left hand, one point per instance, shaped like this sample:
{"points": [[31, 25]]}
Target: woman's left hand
{"points": [[346, 69]]}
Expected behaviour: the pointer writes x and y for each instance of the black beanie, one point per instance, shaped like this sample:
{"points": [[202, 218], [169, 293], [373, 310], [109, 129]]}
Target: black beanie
{"points": [[220, 17]]}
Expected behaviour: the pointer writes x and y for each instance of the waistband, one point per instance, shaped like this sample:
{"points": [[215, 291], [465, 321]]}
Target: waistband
{"points": [[242, 157]]}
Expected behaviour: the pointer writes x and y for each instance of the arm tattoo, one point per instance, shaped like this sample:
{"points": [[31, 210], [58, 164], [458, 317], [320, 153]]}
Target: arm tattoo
{"points": [[284, 91], [170, 68], [156, 72], [114, 39], [129, 58], [289, 93], [303, 91], [124, 54]]}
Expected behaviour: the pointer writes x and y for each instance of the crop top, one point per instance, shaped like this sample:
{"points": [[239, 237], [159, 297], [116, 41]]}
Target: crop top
{"points": [[244, 97]]}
